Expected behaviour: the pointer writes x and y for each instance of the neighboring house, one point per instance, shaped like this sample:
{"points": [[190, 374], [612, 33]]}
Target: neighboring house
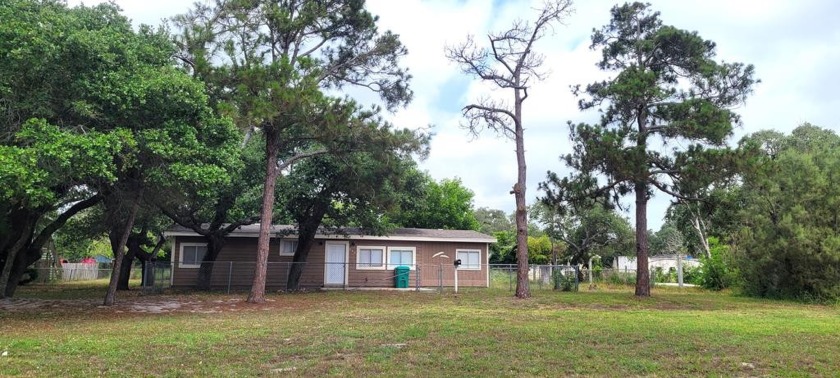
{"points": [[343, 258], [666, 262]]}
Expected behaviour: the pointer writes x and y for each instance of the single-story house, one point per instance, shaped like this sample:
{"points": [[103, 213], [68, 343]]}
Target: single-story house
{"points": [[345, 258]]}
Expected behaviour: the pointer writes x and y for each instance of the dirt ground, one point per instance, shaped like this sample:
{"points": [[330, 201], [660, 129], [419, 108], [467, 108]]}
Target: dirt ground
{"points": [[139, 305]]}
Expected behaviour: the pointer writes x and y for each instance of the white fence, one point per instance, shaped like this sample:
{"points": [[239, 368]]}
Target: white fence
{"points": [[79, 271]]}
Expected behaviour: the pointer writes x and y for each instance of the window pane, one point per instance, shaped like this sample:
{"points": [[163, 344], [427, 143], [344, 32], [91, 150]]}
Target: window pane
{"points": [[401, 257], [288, 247], [193, 254], [370, 257], [189, 255], [376, 257], [470, 259], [200, 251], [364, 257]]}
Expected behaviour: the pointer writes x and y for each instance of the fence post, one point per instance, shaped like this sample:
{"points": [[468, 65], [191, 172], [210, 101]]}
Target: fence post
{"points": [[230, 274], [417, 277], [440, 278]]}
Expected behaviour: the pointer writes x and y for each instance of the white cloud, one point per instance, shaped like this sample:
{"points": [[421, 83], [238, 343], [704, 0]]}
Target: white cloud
{"points": [[794, 46]]}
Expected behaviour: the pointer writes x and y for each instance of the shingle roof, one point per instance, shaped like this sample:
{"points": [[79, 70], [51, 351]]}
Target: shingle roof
{"points": [[355, 233]]}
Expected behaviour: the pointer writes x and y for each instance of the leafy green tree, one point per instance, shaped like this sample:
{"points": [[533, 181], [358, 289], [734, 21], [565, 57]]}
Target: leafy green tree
{"points": [[105, 113], [586, 231], [503, 251], [668, 240], [786, 243], [719, 270], [39, 176], [440, 205], [669, 90], [511, 63], [540, 249], [266, 63], [352, 189], [493, 220], [214, 210]]}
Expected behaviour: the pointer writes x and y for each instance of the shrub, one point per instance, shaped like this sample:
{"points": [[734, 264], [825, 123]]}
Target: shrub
{"points": [[718, 272], [692, 274], [564, 282]]}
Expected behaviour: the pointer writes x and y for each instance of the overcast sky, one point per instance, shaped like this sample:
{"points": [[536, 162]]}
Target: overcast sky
{"points": [[794, 45]]}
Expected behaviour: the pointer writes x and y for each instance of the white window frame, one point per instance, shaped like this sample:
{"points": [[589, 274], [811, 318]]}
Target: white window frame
{"points": [[413, 250], [181, 255], [463, 266], [283, 241], [366, 267]]}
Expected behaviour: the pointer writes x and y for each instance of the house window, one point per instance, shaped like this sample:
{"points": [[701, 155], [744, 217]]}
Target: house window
{"points": [[288, 247], [470, 259], [401, 256], [370, 257], [192, 254]]}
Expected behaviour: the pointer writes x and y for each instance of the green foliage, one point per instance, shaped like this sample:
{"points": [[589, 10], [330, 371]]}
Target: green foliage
{"points": [[692, 274], [668, 240], [445, 205], [668, 90], [719, 271], [539, 250], [565, 282], [93, 110], [585, 231], [787, 243], [493, 220], [503, 251], [46, 161]]}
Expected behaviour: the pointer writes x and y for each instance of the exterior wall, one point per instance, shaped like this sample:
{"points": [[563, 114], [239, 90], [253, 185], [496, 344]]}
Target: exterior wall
{"points": [[236, 263], [664, 262], [431, 268]]}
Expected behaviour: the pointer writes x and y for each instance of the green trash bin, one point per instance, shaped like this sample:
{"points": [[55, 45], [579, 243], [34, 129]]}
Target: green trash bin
{"points": [[401, 276]]}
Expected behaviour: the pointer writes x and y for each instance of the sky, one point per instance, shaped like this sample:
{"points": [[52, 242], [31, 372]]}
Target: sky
{"points": [[794, 46]]}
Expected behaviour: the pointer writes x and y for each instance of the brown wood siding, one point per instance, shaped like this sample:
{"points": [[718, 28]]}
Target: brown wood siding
{"points": [[235, 265]]}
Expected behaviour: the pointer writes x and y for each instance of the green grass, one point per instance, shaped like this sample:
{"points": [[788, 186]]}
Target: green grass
{"points": [[62, 331]]}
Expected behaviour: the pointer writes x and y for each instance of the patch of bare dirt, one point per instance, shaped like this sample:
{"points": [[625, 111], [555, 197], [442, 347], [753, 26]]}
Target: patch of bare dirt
{"points": [[138, 305]]}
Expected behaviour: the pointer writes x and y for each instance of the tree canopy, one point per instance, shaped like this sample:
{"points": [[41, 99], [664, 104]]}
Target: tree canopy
{"points": [[446, 204], [92, 109], [786, 239], [267, 63], [667, 88]]}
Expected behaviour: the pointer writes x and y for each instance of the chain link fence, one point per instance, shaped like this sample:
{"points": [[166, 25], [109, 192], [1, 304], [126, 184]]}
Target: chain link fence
{"points": [[238, 275], [152, 276]]}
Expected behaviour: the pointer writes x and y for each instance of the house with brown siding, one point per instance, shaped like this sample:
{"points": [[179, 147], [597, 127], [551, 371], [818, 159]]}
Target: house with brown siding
{"points": [[346, 258]]}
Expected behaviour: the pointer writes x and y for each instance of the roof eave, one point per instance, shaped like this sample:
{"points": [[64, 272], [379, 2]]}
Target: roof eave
{"points": [[347, 237]]}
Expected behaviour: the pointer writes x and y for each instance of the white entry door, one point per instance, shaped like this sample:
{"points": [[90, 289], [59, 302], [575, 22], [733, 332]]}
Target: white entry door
{"points": [[335, 269]]}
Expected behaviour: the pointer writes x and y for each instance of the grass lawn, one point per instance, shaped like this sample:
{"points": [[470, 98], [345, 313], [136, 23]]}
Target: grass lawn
{"points": [[62, 331]]}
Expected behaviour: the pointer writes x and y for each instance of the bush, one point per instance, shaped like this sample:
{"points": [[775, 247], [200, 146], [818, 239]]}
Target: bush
{"points": [[692, 274], [718, 271], [564, 282]]}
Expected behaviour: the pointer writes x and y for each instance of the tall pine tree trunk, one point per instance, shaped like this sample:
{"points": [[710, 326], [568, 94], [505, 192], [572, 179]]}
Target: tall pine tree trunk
{"points": [[257, 294], [523, 289], [642, 272]]}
